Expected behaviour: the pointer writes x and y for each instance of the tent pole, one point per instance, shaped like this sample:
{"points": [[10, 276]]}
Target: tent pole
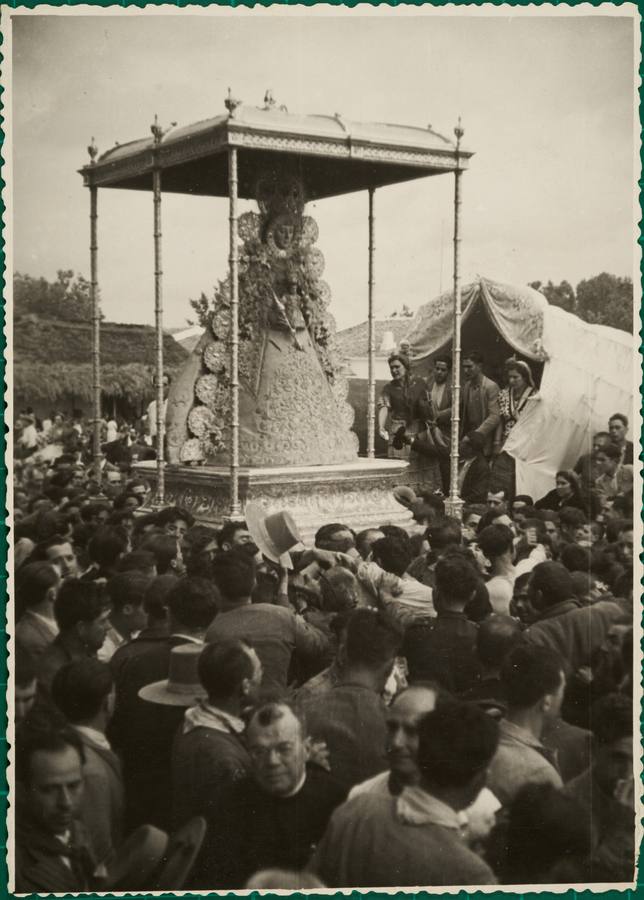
{"points": [[158, 317], [454, 505], [96, 319], [235, 510], [371, 384]]}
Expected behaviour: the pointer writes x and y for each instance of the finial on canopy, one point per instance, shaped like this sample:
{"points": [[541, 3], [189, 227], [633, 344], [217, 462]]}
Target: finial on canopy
{"points": [[156, 130], [93, 152], [270, 102], [459, 131], [231, 104], [159, 132]]}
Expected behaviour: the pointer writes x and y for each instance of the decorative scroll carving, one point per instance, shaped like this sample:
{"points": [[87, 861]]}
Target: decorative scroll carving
{"points": [[120, 169], [426, 159], [361, 499], [299, 419], [288, 144], [422, 158]]}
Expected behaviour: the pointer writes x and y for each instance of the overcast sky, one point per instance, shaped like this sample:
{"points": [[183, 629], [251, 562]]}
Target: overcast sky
{"points": [[546, 103]]}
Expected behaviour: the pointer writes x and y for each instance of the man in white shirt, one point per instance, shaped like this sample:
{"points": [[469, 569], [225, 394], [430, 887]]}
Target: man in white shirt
{"points": [[403, 718], [28, 440], [392, 556], [415, 839], [497, 543]]}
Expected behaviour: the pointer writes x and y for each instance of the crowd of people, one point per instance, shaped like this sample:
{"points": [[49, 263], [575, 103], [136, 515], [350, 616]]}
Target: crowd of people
{"points": [[450, 704], [415, 413]]}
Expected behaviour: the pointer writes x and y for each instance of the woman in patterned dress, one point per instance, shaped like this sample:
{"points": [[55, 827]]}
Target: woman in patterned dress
{"points": [[512, 403]]}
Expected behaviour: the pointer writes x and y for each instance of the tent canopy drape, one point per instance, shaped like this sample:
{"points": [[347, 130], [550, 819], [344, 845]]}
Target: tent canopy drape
{"points": [[587, 371]]}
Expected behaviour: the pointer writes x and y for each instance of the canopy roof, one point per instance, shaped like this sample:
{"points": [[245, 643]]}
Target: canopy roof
{"points": [[332, 155]]}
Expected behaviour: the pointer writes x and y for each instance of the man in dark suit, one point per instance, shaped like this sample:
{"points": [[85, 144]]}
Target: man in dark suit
{"points": [[443, 648], [209, 752], [82, 614], [280, 637], [434, 408], [53, 853], [143, 732], [473, 469], [479, 401], [83, 690], [37, 586], [618, 428], [439, 387]]}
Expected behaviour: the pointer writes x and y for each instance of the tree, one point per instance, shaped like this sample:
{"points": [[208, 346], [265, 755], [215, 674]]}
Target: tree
{"points": [[561, 295], [603, 300], [67, 298], [606, 300], [203, 307]]}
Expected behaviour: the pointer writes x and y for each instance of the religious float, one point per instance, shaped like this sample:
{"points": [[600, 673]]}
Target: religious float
{"points": [[259, 411]]}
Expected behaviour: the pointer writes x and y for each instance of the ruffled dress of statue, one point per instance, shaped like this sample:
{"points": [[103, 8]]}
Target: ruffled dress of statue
{"points": [[292, 396], [293, 417]]}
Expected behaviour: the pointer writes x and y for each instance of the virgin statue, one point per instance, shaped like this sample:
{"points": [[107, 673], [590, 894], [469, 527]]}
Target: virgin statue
{"points": [[292, 394]]}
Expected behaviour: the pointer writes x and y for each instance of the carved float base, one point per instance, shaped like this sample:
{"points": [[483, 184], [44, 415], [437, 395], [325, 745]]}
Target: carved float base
{"points": [[358, 494]]}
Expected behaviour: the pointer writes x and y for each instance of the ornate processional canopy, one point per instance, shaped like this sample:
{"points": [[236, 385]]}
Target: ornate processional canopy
{"points": [[268, 345], [330, 154]]}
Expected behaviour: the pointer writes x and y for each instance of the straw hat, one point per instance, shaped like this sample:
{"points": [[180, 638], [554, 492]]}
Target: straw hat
{"points": [[134, 862], [274, 534], [181, 854], [405, 495], [182, 686]]}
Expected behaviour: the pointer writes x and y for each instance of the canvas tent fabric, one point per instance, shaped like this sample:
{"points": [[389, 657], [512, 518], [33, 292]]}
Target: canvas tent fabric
{"points": [[587, 373], [588, 376]]}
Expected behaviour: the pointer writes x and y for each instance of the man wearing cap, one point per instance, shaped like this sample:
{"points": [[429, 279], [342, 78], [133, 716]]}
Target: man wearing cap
{"points": [[276, 632]]}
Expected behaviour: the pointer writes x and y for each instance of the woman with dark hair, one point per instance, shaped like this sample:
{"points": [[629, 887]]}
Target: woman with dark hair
{"points": [[513, 400], [395, 407], [567, 492]]}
